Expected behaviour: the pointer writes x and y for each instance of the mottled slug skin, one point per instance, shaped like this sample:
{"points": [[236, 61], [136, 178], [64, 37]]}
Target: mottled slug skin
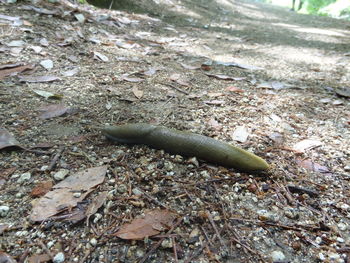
{"points": [[187, 144]]}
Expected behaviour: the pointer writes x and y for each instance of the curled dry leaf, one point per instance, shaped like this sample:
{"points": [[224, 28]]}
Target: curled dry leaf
{"points": [[137, 92], [234, 89], [41, 189], [100, 56], [7, 139], [13, 69], [312, 166], [62, 196], [151, 224]]}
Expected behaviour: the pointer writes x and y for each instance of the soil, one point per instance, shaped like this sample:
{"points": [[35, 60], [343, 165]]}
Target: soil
{"points": [[261, 77]]}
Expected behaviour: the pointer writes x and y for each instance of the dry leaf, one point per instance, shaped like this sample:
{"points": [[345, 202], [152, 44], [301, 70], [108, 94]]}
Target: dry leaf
{"points": [[214, 102], [305, 145], [39, 258], [52, 111], [138, 93], [127, 77], [312, 166], [151, 224], [100, 56], [13, 69], [38, 79], [223, 77], [213, 123], [41, 189], [238, 65], [96, 203], [70, 73], [62, 195], [185, 66], [234, 89], [240, 134], [150, 72], [7, 139], [179, 80], [47, 95]]}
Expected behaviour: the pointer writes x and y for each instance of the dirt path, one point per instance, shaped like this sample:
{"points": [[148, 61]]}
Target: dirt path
{"points": [[254, 75]]}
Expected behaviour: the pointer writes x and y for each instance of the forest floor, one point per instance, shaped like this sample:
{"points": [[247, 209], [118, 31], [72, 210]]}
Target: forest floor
{"points": [[260, 77]]}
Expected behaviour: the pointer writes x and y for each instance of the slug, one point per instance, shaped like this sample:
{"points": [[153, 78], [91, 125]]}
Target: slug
{"points": [[187, 144]]}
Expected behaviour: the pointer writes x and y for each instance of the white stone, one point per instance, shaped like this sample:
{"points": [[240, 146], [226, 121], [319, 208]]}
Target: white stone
{"points": [[93, 241], [321, 257], [47, 64], [342, 226], [61, 174], [24, 177], [277, 256], [58, 258], [4, 210]]}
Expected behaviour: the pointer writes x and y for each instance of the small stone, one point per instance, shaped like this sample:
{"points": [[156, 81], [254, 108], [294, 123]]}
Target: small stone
{"points": [[24, 177], [4, 210], [80, 17], [340, 240], [44, 168], [19, 195], [347, 168], [318, 240], [136, 191], [97, 217], [58, 258], [47, 64], [277, 256], [122, 188], [265, 215], [205, 174], [167, 243], [342, 226], [93, 241], [333, 256], [50, 244], [321, 257], [61, 174], [77, 195]]}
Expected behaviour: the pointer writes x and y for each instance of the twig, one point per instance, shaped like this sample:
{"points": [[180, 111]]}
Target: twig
{"points": [[177, 88], [145, 257], [153, 199], [217, 231], [55, 158], [175, 250]]}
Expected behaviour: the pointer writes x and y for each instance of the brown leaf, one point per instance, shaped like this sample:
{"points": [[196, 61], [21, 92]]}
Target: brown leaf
{"points": [[312, 166], [137, 92], [7, 139], [39, 258], [62, 195], [96, 203], [13, 69], [223, 77], [6, 258], [151, 224], [38, 79], [179, 79], [5, 173], [234, 89], [41, 189], [53, 110]]}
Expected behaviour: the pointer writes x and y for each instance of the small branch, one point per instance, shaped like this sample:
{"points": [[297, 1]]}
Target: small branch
{"points": [[55, 158]]}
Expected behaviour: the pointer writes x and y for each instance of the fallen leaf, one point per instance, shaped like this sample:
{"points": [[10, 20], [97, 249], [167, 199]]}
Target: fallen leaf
{"points": [[62, 196], [100, 56], [38, 79], [39, 258], [238, 65], [6, 258], [224, 77], [240, 134], [41, 189], [275, 85], [151, 224], [234, 89], [43, 41], [312, 166], [137, 92], [7, 139], [214, 102], [39, 10], [13, 69], [5, 173], [70, 73], [126, 45], [53, 110], [276, 137], [127, 77], [96, 203], [305, 145], [179, 79], [190, 67], [150, 72], [47, 95]]}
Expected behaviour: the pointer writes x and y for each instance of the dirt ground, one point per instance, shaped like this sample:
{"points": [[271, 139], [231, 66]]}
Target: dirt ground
{"points": [[260, 77]]}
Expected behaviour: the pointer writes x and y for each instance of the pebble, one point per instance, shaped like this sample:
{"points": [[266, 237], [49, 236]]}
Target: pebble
{"points": [[24, 177], [77, 194], [50, 244], [167, 243], [342, 226], [122, 188], [277, 256], [265, 215], [136, 191], [58, 258], [347, 168], [4, 210], [93, 241], [61, 174]]}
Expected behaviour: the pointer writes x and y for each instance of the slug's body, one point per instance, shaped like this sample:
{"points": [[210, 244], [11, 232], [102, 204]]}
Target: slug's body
{"points": [[188, 144]]}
